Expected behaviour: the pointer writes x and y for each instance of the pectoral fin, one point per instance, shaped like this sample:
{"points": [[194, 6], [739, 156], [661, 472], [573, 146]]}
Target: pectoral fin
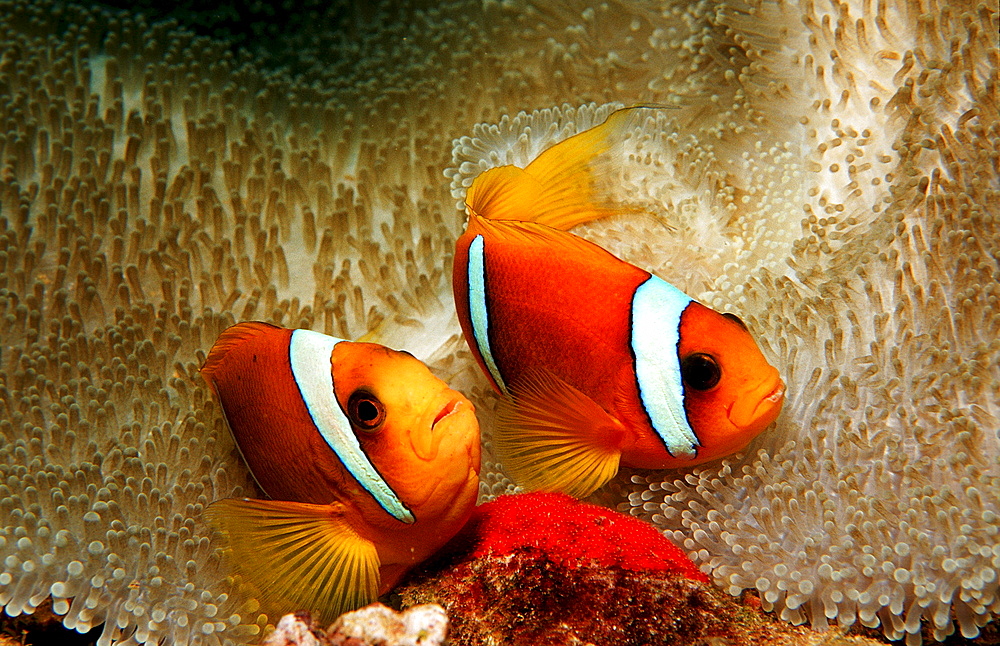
{"points": [[297, 556], [551, 437]]}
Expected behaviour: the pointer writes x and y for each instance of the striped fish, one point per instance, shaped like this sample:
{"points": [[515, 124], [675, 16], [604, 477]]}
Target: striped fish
{"points": [[599, 362], [370, 461]]}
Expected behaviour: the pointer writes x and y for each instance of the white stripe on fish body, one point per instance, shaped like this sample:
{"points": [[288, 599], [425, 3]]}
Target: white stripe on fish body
{"points": [[478, 313], [311, 356], [657, 307]]}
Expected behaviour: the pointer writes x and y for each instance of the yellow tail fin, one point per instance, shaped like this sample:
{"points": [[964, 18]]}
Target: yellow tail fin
{"points": [[562, 187], [297, 556], [551, 437]]}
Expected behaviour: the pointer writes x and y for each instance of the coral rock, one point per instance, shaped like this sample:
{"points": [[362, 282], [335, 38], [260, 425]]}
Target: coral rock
{"points": [[293, 630], [373, 625], [544, 568], [377, 625]]}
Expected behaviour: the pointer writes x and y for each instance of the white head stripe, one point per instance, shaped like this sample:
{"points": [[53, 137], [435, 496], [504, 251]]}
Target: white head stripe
{"points": [[656, 318], [477, 308], [311, 356]]}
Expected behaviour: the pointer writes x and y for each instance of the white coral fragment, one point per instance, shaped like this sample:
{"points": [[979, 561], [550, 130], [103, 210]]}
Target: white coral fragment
{"points": [[422, 625]]}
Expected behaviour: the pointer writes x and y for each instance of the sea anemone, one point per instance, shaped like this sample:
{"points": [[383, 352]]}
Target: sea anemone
{"points": [[157, 185], [840, 192], [150, 197]]}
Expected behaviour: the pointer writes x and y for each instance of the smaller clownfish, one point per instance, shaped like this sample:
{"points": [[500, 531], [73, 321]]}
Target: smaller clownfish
{"points": [[370, 461], [599, 363]]}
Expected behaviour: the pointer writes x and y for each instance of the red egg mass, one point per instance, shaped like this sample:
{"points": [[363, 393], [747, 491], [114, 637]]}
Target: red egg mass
{"points": [[574, 534]]}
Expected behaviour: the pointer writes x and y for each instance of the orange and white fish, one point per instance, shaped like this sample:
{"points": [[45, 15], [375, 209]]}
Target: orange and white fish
{"points": [[599, 362], [372, 464]]}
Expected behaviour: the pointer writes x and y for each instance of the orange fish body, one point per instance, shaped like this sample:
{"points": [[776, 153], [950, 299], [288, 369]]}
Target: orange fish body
{"points": [[372, 464], [600, 362]]}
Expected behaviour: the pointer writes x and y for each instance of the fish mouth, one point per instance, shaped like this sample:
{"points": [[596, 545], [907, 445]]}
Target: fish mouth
{"points": [[449, 426], [760, 406], [448, 410]]}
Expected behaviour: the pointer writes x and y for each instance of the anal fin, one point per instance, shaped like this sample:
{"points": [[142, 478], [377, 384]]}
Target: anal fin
{"points": [[297, 556], [551, 437]]}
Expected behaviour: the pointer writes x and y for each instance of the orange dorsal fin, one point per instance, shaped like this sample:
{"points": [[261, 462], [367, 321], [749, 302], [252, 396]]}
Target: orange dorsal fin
{"points": [[568, 184], [562, 243], [297, 556], [551, 437], [503, 193], [230, 338]]}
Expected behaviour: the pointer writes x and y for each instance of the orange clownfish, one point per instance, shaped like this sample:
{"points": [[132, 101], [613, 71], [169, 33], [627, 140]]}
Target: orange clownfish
{"points": [[599, 363], [370, 461]]}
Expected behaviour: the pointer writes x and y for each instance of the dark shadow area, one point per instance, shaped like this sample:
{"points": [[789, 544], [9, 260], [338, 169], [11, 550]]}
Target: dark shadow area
{"points": [[43, 628]]}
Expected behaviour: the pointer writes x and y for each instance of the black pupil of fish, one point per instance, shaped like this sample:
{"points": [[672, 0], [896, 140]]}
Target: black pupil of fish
{"points": [[367, 410], [700, 371]]}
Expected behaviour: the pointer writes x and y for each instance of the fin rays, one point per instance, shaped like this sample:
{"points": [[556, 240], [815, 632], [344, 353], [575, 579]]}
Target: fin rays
{"points": [[552, 437], [298, 556], [566, 185]]}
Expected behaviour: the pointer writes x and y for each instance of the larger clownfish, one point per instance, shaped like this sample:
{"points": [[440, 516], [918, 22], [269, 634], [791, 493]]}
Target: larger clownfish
{"points": [[370, 461], [599, 363]]}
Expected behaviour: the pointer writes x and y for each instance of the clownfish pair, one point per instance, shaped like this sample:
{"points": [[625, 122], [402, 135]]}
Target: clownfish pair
{"points": [[599, 363], [370, 461]]}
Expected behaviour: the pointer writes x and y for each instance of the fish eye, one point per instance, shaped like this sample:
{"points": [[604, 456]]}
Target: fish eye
{"points": [[365, 410], [736, 319], [700, 371]]}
